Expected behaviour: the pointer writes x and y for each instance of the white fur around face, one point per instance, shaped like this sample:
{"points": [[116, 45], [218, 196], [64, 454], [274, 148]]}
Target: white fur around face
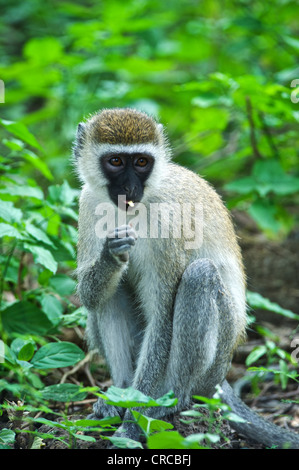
{"points": [[89, 168]]}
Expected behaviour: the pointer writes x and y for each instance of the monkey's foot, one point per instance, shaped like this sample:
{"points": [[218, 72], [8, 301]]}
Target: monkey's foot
{"points": [[129, 431], [102, 410]]}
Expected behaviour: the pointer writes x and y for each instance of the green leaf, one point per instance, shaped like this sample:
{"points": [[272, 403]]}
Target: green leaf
{"points": [[44, 50], [7, 436], [294, 42], [23, 348], [170, 440], [129, 397], [6, 355], [54, 355], [7, 230], [42, 256], [13, 144], [38, 234], [233, 417], [23, 191], [82, 437], [26, 352], [150, 425], [255, 354], [283, 367], [63, 284], [125, 443], [10, 213], [52, 307], [25, 318], [95, 423], [63, 194], [256, 300], [267, 176], [19, 130], [37, 163], [265, 213], [65, 392]]}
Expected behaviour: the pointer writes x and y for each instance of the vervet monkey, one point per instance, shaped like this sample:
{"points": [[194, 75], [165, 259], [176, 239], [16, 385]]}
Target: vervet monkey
{"points": [[167, 311]]}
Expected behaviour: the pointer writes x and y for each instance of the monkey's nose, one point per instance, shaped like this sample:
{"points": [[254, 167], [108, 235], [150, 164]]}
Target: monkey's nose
{"points": [[130, 192]]}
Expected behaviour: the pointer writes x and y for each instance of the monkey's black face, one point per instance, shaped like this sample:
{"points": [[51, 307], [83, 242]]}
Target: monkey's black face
{"points": [[126, 174]]}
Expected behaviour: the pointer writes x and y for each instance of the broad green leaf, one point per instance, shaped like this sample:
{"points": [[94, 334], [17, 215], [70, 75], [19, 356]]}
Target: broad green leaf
{"points": [[78, 317], [25, 318], [150, 425], [256, 300], [242, 186], [6, 355], [26, 352], [233, 417], [38, 234], [125, 443], [20, 130], [10, 213], [64, 285], [129, 397], [42, 256], [7, 435], [19, 344], [92, 423], [291, 41], [54, 355], [265, 213], [50, 47], [83, 437], [7, 230], [170, 440], [63, 193], [255, 354], [37, 163], [65, 392], [52, 307], [23, 191], [13, 144]]}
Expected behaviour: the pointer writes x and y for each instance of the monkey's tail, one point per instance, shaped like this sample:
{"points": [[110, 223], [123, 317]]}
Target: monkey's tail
{"points": [[257, 428]]}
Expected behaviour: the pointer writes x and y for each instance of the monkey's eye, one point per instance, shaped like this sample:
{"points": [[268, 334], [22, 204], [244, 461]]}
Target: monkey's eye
{"points": [[141, 161], [116, 161]]}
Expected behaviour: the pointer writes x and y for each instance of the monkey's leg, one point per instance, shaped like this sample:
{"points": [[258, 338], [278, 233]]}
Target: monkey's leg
{"points": [[203, 333], [115, 334]]}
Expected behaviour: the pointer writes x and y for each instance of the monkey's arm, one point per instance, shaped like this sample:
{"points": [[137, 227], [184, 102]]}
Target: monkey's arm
{"points": [[101, 262], [98, 280]]}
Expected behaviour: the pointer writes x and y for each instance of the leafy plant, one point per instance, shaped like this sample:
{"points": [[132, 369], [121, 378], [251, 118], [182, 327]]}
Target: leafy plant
{"points": [[36, 234]]}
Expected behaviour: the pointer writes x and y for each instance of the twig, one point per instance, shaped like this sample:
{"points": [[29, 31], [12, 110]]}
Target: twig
{"points": [[77, 367], [19, 283], [268, 135], [252, 128]]}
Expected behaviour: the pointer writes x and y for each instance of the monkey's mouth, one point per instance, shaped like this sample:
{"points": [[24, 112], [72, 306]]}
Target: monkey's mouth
{"points": [[130, 204]]}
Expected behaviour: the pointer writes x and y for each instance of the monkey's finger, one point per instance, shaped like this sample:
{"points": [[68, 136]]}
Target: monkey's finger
{"points": [[123, 232], [116, 242], [120, 249]]}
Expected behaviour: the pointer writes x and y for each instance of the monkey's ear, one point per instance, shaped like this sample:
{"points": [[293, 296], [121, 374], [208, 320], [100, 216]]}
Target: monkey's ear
{"points": [[79, 141], [81, 130]]}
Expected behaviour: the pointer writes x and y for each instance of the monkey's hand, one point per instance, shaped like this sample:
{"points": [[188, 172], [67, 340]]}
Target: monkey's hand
{"points": [[120, 242]]}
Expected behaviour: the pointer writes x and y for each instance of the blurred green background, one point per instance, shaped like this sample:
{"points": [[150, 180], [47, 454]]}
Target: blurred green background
{"points": [[218, 74]]}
